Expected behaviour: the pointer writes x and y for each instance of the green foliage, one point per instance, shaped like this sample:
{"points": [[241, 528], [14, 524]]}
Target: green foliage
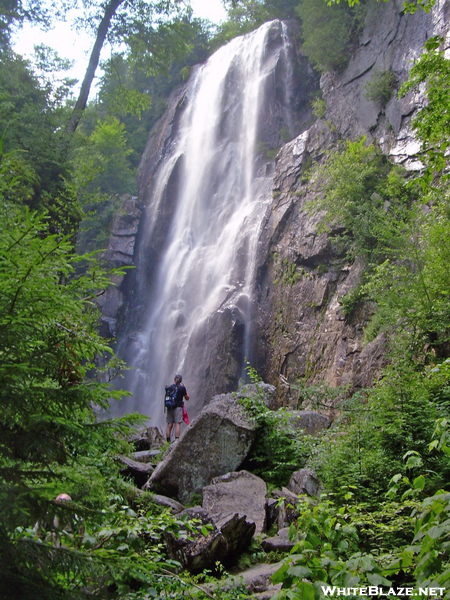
{"points": [[365, 200], [378, 427], [380, 87], [107, 155], [327, 553], [319, 107], [412, 293], [278, 449], [318, 396], [31, 115], [244, 16], [432, 121], [329, 32], [352, 300], [51, 441]]}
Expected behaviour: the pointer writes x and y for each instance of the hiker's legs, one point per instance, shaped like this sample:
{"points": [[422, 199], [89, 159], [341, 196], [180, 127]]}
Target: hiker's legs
{"points": [[169, 431], [177, 430]]}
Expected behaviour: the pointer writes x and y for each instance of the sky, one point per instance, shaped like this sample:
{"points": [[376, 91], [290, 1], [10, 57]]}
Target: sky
{"points": [[77, 45]]}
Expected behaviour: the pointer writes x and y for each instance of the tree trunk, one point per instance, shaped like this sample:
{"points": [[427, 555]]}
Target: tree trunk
{"points": [[92, 66]]}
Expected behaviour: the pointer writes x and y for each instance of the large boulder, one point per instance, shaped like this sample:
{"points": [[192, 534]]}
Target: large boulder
{"points": [[216, 442], [237, 493]]}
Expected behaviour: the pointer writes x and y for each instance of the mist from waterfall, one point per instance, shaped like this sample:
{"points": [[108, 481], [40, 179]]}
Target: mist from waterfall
{"points": [[208, 261]]}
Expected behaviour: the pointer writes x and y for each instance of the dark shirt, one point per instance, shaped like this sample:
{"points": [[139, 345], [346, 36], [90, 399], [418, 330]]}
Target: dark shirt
{"points": [[180, 394]]}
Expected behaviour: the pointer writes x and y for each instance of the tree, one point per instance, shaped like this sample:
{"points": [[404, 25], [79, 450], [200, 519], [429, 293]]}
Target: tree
{"points": [[132, 22]]}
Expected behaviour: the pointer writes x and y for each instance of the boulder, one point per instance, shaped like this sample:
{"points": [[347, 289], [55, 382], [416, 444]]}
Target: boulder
{"points": [[272, 512], [304, 482], [138, 471], [203, 551], [311, 422], [258, 579], [147, 438], [216, 442], [145, 456], [287, 508], [166, 502], [279, 542], [239, 493]]}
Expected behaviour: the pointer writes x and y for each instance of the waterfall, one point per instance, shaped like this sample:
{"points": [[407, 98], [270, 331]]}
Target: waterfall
{"points": [[217, 182]]}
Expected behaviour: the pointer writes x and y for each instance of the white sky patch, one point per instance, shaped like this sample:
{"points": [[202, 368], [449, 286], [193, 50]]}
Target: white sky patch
{"points": [[76, 45]]}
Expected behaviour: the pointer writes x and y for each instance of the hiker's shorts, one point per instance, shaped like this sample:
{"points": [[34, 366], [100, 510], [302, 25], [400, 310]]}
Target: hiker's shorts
{"points": [[175, 415]]}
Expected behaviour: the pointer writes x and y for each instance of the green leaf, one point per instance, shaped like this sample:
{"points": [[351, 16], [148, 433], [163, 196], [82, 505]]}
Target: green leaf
{"points": [[299, 571], [419, 482]]}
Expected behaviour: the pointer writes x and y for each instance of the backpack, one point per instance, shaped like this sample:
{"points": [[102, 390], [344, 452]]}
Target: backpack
{"points": [[170, 397]]}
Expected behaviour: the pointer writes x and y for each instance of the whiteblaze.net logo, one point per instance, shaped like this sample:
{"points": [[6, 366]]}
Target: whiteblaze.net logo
{"points": [[328, 590]]}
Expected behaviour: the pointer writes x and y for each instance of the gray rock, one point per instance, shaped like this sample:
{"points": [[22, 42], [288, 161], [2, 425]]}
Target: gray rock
{"points": [[287, 507], [311, 422], [304, 482], [174, 506], [272, 512], [147, 438], [239, 493], [279, 542], [216, 443], [215, 356], [138, 471], [258, 580], [145, 456]]}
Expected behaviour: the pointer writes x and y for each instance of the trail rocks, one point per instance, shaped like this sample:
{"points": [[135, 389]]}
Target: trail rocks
{"points": [[279, 542]]}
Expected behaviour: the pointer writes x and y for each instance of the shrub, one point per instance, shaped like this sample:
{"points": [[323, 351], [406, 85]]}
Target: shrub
{"points": [[380, 87], [329, 32]]}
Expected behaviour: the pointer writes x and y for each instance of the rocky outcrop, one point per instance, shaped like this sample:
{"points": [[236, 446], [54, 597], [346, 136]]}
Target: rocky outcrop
{"points": [[216, 443], [299, 329], [119, 253], [147, 438], [217, 367], [391, 40], [286, 512]]}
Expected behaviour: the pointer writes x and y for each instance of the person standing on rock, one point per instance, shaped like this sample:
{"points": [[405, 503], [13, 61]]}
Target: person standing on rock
{"points": [[175, 414]]}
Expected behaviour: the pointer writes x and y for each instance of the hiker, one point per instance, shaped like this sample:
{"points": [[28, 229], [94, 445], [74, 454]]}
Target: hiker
{"points": [[175, 414]]}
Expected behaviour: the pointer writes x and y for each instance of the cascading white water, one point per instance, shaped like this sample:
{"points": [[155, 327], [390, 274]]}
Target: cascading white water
{"points": [[209, 258]]}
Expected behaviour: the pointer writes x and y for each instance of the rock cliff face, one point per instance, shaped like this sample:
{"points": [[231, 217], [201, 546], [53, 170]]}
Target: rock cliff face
{"points": [[294, 327], [299, 329]]}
